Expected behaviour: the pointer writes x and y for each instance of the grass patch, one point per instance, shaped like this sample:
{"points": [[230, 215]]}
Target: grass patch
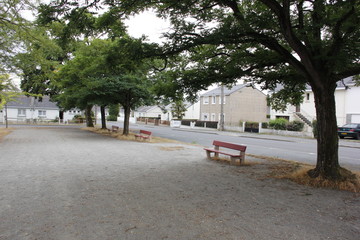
{"points": [[178, 148], [130, 137], [299, 173]]}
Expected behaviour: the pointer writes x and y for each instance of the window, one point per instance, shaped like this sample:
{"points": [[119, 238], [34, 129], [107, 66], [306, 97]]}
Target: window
{"points": [[206, 100], [213, 99], [42, 113], [21, 112], [307, 96], [213, 117], [205, 116]]}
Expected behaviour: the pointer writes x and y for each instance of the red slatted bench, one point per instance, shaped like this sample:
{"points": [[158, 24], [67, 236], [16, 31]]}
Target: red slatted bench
{"points": [[233, 156], [143, 135], [114, 128]]}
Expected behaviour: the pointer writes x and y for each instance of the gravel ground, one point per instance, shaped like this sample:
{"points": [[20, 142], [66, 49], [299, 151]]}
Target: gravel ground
{"points": [[70, 184]]}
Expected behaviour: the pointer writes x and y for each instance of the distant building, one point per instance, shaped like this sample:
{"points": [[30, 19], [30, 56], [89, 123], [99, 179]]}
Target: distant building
{"points": [[347, 97], [31, 109], [192, 112], [241, 103]]}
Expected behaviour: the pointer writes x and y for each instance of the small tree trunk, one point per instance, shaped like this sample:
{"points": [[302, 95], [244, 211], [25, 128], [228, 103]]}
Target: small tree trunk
{"points": [[89, 121], [103, 117], [127, 111], [327, 165]]}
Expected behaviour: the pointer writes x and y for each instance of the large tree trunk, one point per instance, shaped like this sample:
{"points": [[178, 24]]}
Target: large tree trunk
{"points": [[103, 117], [127, 111], [88, 117], [327, 165]]}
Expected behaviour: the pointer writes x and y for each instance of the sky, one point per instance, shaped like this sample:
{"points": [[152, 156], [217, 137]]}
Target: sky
{"points": [[148, 24]]}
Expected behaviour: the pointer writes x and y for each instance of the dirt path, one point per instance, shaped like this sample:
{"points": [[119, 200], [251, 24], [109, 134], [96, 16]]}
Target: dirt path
{"points": [[59, 183]]}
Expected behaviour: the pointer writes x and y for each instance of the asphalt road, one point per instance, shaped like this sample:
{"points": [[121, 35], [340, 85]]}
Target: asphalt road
{"points": [[290, 148]]}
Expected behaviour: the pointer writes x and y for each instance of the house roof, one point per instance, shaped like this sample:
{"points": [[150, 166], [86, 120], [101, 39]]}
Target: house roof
{"points": [[31, 102], [346, 82], [145, 108], [349, 81], [227, 91]]}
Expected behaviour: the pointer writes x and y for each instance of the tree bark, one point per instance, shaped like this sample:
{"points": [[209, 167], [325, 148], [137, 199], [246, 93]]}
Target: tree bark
{"points": [[127, 111], [88, 117], [103, 117], [327, 165]]}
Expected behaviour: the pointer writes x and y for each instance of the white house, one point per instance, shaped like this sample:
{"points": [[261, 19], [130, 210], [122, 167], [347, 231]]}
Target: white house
{"points": [[153, 112], [192, 112], [30, 109], [347, 97]]}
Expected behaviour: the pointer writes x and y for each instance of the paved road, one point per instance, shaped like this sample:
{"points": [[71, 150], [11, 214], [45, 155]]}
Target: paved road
{"points": [[291, 148]]}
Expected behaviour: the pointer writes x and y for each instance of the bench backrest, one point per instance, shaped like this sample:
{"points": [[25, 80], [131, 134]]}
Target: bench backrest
{"points": [[241, 148], [145, 132]]}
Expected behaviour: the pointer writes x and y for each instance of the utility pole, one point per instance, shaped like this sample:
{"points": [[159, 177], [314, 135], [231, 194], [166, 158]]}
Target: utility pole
{"points": [[222, 108], [6, 116]]}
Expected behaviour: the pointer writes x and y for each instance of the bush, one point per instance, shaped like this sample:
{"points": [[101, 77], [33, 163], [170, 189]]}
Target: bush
{"points": [[77, 116], [295, 126], [111, 118], [278, 124], [283, 124], [264, 125]]}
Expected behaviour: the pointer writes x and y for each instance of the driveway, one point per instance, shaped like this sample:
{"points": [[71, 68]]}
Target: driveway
{"points": [[70, 184]]}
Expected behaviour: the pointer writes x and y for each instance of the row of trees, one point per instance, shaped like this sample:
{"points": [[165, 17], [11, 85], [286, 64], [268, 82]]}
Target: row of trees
{"points": [[269, 42]]}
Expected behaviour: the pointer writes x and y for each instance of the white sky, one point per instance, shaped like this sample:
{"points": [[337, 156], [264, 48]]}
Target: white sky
{"points": [[147, 24]]}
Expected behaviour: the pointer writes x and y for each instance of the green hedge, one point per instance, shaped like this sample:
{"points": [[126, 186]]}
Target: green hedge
{"points": [[278, 124], [283, 124], [112, 118]]}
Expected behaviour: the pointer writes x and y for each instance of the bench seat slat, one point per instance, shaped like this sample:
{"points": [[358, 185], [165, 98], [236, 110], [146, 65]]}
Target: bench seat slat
{"points": [[144, 135], [234, 156], [225, 153]]}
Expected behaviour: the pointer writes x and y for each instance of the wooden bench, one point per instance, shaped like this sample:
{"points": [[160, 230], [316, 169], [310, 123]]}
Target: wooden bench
{"points": [[143, 135], [114, 128], [233, 156]]}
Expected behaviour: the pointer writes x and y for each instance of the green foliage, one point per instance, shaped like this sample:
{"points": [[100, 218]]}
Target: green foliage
{"points": [[114, 110], [178, 109], [295, 126], [14, 29], [265, 125], [278, 124], [7, 90], [77, 116], [111, 118], [283, 124], [357, 80]]}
